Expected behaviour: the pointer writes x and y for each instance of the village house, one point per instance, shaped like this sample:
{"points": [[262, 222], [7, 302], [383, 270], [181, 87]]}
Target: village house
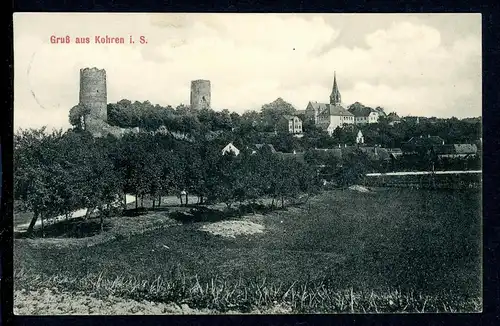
{"points": [[230, 148], [313, 109], [421, 144], [395, 152], [456, 151], [373, 153], [393, 119], [359, 138], [376, 153], [293, 124], [363, 114], [299, 156], [334, 117], [341, 152], [263, 147]]}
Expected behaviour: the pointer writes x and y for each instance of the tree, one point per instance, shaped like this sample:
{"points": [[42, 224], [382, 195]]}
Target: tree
{"points": [[193, 170], [251, 176], [222, 120], [235, 119], [93, 173], [223, 180], [285, 142], [40, 180], [182, 109], [272, 112], [121, 114], [354, 168], [288, 183], [134, 161], [78, 116], [345, 135], [308, 180]]}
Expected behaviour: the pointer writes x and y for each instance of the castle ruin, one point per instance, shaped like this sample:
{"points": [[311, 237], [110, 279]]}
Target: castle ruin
{"points": [[93, 92], [200, 94], [94, 98]]}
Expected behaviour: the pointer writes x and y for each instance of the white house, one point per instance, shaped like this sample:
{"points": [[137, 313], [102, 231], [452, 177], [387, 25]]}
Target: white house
{"points": [[364, 115], [230, 148], [294, 124], [335, 116], [359, 138]]}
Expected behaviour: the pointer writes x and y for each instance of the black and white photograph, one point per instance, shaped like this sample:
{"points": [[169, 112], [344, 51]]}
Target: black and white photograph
{"points": [[264, 164]]}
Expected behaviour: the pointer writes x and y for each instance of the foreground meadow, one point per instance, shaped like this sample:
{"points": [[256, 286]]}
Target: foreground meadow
{"points": [[389, 250]]}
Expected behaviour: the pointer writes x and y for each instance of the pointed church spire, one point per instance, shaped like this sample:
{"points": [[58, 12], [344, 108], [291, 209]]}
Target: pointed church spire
{"points": [[335, 98]]}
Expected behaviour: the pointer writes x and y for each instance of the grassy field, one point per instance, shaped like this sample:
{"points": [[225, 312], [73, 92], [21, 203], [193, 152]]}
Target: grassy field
{"points": [[411, 241]]}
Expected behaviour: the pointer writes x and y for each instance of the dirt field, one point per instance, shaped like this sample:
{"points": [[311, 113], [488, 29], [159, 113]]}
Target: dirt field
{"points": [[55, 302], [232, 229]]}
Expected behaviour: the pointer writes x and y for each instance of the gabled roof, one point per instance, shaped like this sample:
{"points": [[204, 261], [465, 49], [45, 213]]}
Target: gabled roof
{"points": [[299, 156], [290, 117], [456, 149], [465, 148], [425, 141], [393, 116], [445, 149], [380, 110], [338, 110], [376, 153], [319, 106], [373, 153], [337, 152], [229, 146], [358, 111], [270, 146], [395, 151]]}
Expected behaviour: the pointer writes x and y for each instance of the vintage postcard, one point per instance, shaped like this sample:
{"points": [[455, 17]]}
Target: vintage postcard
{"points": [[247, 163]]}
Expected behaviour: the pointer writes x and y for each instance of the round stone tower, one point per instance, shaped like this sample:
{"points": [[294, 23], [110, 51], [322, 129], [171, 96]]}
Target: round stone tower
{"points": [[93, 92], [200, 94]]}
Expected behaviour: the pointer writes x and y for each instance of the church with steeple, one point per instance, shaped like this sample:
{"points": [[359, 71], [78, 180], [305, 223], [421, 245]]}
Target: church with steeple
{"points": [[335, 97], [332, 115]]}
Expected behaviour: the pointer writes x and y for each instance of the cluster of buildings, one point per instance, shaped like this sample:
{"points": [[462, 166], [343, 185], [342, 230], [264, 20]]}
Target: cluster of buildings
{"points": [[332, 115], [416, 146]]}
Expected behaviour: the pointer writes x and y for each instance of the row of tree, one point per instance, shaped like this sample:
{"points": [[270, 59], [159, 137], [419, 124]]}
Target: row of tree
{"points": [[260, 127], [57, 173]]}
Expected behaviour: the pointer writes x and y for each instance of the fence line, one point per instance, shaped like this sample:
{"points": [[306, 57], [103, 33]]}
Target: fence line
{"points": [[423, 173]]}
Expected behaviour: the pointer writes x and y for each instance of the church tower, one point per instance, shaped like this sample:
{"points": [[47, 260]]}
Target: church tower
{"points": [[335, 98]]}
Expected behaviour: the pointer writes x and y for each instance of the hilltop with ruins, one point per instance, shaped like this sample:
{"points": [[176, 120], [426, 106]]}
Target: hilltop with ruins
{"points": [[91, 112]]}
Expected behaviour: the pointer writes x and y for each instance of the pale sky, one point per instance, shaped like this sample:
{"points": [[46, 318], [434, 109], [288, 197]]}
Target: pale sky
{"points": [[418, 64]]}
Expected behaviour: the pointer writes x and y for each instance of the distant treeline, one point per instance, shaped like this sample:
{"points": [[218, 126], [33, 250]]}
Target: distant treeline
{"points": [[265, 126]]}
